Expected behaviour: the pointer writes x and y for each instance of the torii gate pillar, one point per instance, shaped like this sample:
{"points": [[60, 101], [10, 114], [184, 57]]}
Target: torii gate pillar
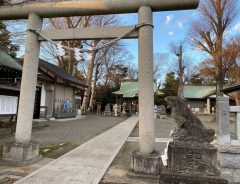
{"points": [[146, 160], [24, 151]]}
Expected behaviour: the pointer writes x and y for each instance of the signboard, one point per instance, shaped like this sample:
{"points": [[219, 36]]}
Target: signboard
{"points": [[8, 105]]}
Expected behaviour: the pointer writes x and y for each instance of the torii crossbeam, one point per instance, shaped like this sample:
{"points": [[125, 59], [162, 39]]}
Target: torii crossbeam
{"points": [[35, 12], [92, 7]]}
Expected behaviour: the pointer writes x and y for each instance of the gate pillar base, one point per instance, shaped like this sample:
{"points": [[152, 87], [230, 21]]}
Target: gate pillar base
{"points": [[21, 155], [146, 163]]}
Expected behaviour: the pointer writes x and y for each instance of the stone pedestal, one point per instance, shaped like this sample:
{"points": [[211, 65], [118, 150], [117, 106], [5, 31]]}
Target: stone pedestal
{"points": [[229, 162], [145, 163], [21, 154], [191, 164], [195, 160]]}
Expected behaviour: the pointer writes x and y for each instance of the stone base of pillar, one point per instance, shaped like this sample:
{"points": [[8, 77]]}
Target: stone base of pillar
{"points": [[21, 154], [228, 159], [146, 163], [176, 178]]}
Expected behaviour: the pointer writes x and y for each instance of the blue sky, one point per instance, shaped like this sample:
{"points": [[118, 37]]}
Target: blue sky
{"points": [[171, 27]]}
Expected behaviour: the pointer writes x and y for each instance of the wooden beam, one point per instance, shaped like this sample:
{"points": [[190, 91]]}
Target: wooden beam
{"points": [[88, 33]]}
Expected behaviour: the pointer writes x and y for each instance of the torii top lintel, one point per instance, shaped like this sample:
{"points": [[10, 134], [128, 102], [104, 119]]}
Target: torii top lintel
{"points": [[91, 7]]}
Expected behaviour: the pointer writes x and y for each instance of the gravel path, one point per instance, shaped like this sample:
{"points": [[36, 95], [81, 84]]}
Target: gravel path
{"points": [[75, 132]]}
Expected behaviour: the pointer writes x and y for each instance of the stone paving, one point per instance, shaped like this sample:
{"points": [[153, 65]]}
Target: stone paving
{"points": [[87, 163]]}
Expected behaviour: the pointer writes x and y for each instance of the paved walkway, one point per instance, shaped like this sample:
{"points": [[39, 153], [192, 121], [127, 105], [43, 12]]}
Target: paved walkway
{"points": [[86, 164], [163, 140]]}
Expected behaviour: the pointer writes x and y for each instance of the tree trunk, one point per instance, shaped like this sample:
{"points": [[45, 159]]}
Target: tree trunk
{"points": [[70, 62], [219, 66], [180, 89], [88, 82], [91, 105], [219, 77]]}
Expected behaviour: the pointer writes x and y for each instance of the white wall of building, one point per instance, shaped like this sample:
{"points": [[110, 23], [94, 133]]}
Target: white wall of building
{"points": [[43, 96]]}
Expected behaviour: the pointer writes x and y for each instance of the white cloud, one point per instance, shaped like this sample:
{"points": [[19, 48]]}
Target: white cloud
{"points": [[168, 18], [236, 27], [180, 24], [170, 33], [227, 33]]}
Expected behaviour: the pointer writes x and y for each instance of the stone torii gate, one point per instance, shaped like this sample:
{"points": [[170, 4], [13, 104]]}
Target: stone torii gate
{"points": [[23, 150]]}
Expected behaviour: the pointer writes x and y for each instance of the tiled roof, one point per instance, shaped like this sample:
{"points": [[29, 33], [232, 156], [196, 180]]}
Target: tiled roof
{"points": [[235, 87], [129, 89], [198, 92], [60, 72], [7, 60]]}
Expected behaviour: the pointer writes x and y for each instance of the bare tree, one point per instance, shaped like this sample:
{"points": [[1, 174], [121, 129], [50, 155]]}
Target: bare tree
{"points": [[215, 17], [160, 61], [177, 50], [67, 62], [100, 21], [189, 69], [132, 73], [115, 65], [89, 78], [94, 82]]}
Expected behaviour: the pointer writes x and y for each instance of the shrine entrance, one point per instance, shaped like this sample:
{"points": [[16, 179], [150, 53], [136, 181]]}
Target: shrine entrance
{"points": [[35, 12]]}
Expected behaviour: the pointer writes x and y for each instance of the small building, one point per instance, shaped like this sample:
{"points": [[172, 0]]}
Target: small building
{"points": [[234, 92], [54, 86], [10, 75], [201, 99], [128, 94]]}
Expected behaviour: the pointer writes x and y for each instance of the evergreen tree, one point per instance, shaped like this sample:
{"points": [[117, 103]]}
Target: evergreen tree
{"points": [[6, 44], [171, 85]]}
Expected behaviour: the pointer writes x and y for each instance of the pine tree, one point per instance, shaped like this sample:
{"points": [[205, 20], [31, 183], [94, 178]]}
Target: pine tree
{"points": [[6, 44], [171, 85]]}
